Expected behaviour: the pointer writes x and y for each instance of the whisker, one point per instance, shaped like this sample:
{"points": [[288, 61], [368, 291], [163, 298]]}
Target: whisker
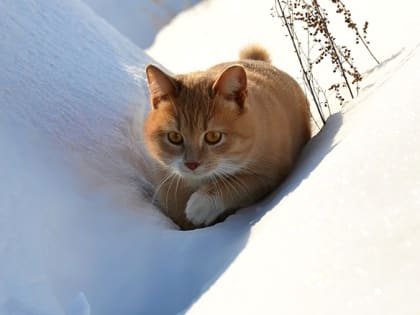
{"points": [[217, 186], [169, 190], [226, 180], [159, 187], [178, 180], [232, 168]]}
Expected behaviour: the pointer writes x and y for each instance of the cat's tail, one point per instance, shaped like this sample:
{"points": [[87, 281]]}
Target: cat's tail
{"points": [[254, 52]]}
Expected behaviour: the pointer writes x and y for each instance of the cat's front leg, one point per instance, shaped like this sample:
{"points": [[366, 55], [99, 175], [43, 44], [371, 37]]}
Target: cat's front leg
{"points": [[203, 208]]}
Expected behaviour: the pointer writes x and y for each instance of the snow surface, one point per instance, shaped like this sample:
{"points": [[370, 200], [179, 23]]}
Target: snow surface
{"points": [[139, 20], [72, 241], [341, 236]]}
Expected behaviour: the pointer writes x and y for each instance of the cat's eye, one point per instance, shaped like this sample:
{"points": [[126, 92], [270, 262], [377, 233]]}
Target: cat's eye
{"points": [[213, 137], [175, 138]]}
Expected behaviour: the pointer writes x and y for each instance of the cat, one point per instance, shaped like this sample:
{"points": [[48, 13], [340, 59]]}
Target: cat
{"points": [[223, 138]]}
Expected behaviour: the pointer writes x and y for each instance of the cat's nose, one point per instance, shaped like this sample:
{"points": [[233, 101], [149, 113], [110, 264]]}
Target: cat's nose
{"points": [[192, 165]]}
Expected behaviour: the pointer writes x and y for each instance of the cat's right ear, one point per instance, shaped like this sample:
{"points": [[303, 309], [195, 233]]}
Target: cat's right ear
{"points": [[161, 85]]}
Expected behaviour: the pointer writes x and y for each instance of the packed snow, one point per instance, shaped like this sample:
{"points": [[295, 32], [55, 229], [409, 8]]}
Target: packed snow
{"points": [[341, 236], [140, 21]]}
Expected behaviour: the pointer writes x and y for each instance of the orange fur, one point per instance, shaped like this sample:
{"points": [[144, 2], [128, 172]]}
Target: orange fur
{"points": [[263, 117], [254, 52]]}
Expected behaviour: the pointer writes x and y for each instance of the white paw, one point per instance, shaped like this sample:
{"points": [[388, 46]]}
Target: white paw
{"points": [[203, 209]]}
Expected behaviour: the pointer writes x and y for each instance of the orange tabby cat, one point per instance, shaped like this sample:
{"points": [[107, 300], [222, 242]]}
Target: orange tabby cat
{"points": [[223, 138]]}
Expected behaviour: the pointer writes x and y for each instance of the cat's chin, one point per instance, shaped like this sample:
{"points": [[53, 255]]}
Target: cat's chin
{"points": [[194, 177]]}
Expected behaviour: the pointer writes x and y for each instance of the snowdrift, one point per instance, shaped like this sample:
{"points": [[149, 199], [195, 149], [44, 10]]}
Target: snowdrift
{"points": [[139, 21], [76, 237], [341, 236]]}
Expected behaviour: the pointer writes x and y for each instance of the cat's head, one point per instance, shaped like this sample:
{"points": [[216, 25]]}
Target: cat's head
{"points": [[199, 126]]}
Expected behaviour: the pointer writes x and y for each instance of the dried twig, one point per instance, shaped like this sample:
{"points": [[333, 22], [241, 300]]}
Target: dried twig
{"points": [[314, 20]]}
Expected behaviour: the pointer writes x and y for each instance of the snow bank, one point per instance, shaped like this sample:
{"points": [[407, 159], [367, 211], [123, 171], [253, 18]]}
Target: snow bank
{"points": [[214, 31], [139, 20], [76, 238]]}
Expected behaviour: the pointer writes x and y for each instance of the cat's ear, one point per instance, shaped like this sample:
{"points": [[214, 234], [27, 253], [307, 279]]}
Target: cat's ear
{"points": [[232, 84], [160, 84]]}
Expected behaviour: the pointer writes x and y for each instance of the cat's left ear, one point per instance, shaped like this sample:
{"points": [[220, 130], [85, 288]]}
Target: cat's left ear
{"points": [[232, 84], [160, 84]]}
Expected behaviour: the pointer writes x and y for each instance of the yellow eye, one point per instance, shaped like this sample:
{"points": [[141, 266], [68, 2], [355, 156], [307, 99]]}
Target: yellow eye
{"points": [[175, 138], [213, 137]]}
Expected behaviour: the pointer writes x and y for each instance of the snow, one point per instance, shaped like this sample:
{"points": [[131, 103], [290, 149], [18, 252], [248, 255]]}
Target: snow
{"points": [[341, 236], [139, 21], [75, 236]]}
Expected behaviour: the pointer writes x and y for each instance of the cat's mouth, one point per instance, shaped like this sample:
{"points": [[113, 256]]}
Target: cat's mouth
{"points": [[199, 172], [207, 172]]}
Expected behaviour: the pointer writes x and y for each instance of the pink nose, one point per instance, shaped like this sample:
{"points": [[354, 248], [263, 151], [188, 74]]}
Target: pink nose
{"points": [[192, 165]]}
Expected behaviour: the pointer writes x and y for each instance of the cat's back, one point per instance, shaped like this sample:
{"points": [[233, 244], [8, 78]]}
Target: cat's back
{"points": [[278, 97], [260, 72]]}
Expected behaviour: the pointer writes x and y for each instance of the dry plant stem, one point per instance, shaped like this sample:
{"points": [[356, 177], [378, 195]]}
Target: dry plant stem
{"points": [[333, 45], [368, 49], [315, 21], [305, 73], [361, 38]]}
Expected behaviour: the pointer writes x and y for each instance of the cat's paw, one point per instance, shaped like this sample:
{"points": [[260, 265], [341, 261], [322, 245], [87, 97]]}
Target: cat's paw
{"points": [[203, 209]]}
